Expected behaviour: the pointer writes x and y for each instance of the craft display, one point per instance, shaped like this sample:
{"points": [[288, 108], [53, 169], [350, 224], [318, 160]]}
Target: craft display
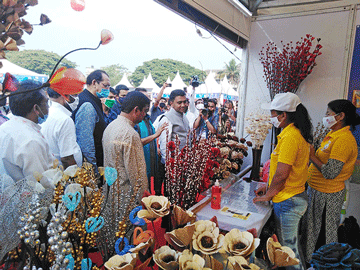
{"points": [[258, 128], [198, 165], [58, 226], [287, 66]]}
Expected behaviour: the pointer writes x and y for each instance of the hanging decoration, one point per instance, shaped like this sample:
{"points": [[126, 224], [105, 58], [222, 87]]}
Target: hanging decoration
{"points": [[67, 81], [78, 5]]}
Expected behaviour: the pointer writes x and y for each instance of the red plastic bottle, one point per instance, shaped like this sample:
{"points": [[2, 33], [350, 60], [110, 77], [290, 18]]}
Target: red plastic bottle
{"points": [[216, 195]]}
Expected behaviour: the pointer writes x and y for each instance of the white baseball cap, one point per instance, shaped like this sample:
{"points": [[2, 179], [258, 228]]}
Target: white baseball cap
{"points": [[284, 102]]}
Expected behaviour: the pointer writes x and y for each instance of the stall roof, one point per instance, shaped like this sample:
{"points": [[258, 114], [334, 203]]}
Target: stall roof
{"points": [[224, 18]]}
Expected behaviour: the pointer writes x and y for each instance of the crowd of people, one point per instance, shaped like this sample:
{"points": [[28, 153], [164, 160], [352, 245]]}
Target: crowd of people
{"points": [[115, 127], [104, 126]]}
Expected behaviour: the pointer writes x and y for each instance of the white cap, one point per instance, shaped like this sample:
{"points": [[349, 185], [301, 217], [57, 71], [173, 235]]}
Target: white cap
{"points": [[284, 102]]}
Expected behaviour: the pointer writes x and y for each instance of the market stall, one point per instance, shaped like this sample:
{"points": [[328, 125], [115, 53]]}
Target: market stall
{"points": [[237, 207]]}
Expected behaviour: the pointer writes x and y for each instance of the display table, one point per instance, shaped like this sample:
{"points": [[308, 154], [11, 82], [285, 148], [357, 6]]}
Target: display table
{"points": [[237, 207]]}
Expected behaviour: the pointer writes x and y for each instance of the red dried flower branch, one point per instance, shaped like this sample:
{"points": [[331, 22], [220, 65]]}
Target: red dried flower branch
{"points": [[286, 68]]}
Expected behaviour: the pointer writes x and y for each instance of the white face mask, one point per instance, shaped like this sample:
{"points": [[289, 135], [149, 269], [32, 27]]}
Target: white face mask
{"points": [[73, 105], [329, 121], [200, 106], [275, 121]]}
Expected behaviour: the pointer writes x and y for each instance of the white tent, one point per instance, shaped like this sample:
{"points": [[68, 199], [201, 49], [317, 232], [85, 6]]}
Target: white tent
{"points": [[177, 82], [20, 73], [210, 88], [228, 90], [167, 90], [143, 84], [125, 81], [152, 84]]}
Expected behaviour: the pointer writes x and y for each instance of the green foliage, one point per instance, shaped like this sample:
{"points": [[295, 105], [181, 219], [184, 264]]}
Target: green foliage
{"points": [[232, 72], [161, 69], [115, 73], [39, 61]]}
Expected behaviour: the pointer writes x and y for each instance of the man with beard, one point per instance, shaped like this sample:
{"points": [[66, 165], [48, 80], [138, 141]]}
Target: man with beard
{"points": [[207, 121]]}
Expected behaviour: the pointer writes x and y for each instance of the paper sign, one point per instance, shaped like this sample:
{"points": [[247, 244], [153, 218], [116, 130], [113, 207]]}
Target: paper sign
{"points": [[235, 213]]}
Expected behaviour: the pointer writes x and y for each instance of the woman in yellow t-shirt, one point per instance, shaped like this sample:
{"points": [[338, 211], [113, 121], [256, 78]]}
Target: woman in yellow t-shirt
{"points": [[288, 169], [332, 164]]}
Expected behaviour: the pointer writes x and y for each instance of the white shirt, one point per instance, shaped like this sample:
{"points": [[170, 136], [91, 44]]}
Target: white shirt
{"points": [[163, 138], [59, 132], [191, 118], [23, 149]]}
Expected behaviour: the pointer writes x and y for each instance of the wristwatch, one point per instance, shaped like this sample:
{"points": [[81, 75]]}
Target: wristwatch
{"points": [[207, 120]]}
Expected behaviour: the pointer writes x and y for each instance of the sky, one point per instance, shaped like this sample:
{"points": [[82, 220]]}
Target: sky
{"points": [[143, 30]]}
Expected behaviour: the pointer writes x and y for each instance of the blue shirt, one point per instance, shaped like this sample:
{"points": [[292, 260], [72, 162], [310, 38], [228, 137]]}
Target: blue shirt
{"points": [[154, 113], [85, 121], [214, 121], [113, 113]]}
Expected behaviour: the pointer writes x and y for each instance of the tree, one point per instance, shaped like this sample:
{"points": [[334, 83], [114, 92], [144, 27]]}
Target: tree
{"points": [[12, 27], [161, 69], [39, 61], [232, 71], [115, 73]]}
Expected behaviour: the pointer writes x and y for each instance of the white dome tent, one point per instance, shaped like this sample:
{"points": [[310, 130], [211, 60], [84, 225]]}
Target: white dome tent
{"points": [[152, 84], [21, 74], [210, 88], [144, 84], [125, 81], [228, 90], [177, 83]]}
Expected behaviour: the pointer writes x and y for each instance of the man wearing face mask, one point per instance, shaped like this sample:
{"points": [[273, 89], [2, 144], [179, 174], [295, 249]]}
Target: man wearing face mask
{"points": [[107, 105], [207, 121], [120, 93], [89, 118], [23, 149], [59, 129]]}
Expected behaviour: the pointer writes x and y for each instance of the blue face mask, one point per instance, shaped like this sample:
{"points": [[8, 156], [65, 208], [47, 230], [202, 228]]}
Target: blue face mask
{"points": [[121, 100], [42, 119], [104, 93]]}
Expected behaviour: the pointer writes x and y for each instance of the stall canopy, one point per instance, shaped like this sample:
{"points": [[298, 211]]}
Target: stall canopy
{"points": [[20, 73], [176, 83], [143, 84], [228, 90], [152, 84], [209, 89], [125, 81]]}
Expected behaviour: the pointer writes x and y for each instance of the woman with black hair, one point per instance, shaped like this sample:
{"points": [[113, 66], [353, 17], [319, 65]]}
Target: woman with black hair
{"points": [[332, 164], [288, 169]]}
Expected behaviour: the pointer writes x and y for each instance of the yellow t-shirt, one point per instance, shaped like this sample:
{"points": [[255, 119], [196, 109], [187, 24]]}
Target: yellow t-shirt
{"points": [[340, 145], [292, 149]]}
